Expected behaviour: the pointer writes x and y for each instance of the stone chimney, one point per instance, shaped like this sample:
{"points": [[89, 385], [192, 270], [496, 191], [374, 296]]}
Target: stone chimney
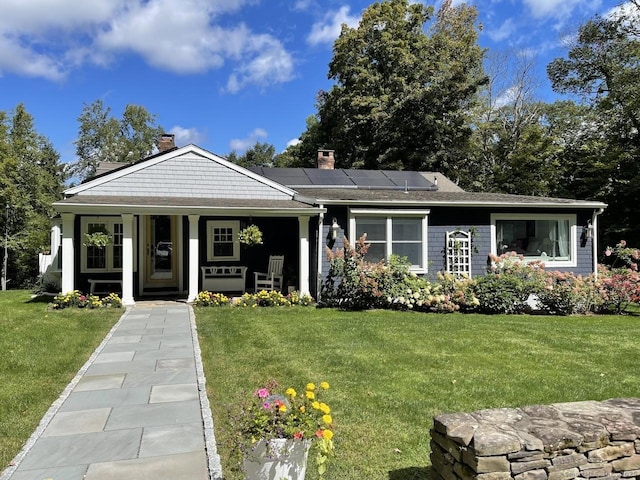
{"points": [[326, 160], [166, 142]]}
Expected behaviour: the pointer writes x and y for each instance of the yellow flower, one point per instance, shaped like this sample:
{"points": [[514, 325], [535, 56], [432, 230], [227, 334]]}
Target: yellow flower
{"points": [[310, 395], [316, 405], [303, 408], [327, 419], [327, 434], [290, 392], [324, 386], [283, 408], [325, 408], [311, 386]]}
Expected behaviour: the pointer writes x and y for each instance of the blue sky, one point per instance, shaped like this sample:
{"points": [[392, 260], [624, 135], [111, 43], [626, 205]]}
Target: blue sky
{"points": [[222, 74]]}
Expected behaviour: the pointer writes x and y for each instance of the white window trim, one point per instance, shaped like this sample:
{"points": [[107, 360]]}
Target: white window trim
{"points": [[84, 227], [235, 225], [573, 235], [389, 214]]}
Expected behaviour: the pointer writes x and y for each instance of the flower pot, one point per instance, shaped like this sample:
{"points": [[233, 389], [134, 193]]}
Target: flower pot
{"points": [[280, 458]]}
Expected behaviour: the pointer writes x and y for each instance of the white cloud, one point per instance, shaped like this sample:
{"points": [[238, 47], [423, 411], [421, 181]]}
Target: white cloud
{"points": [[503, 32], [327, 30], [293, 142], [560, 9], [302, 5], [185, 136], [242, 144], [181, 36]]}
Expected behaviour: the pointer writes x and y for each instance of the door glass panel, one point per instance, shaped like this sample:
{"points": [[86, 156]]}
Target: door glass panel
{"points": [[161, 248]]}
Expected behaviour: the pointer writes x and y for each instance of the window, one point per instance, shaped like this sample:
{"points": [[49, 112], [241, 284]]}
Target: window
{"points": [[549, 238], [402, 233], [103, 259], [222, 240]]}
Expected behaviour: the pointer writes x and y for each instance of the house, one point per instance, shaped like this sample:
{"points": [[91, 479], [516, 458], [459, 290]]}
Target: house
{"points": [[175, 214]]}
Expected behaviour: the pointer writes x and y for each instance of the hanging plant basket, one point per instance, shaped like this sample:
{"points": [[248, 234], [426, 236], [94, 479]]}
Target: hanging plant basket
{"points": [[99, 239], [250, 236]]}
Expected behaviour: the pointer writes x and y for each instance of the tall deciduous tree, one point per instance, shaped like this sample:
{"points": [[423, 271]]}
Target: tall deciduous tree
{"points": [[260, 155], [103, 138], [404, 84], [31, 178], [603, 66]]}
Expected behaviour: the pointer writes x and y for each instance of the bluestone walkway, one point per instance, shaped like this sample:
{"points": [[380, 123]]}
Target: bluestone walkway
{"points": [[136, 410]]}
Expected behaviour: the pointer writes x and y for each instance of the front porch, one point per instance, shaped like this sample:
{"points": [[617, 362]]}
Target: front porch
{"points": [[178, 255]]}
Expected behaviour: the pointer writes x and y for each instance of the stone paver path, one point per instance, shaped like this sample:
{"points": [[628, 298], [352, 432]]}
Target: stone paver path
{"points": [[136, 410]]}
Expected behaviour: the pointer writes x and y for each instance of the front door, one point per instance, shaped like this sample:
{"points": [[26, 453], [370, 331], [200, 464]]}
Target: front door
{"points": [[162, 253]]}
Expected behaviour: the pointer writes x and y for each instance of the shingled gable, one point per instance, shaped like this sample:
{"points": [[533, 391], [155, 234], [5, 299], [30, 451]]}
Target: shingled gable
{"points": [[187, 172]]}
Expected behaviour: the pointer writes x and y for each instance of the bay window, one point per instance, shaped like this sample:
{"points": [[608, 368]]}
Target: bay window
{"points": [[393, 232], [549, 238]]}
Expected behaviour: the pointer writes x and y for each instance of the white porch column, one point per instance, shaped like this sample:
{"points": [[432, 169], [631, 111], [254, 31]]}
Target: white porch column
{"points": [[68, 254], [194, 257], [127, 259], [303, 233]]}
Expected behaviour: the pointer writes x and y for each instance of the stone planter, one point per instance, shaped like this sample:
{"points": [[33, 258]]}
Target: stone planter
{"points": [[282, 458]]}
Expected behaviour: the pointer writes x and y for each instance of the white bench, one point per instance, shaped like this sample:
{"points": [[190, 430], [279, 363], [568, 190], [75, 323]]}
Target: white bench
{"points": [[224, 278], [102, 281]]}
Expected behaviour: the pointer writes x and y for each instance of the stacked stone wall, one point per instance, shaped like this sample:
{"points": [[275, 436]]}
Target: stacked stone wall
{"points": [[564, 441]]}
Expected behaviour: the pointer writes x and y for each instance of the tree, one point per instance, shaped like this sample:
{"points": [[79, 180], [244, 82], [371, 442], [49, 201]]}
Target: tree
{"points": [[31, 179], [512, 151], [259, 155], [401, 95], [102, 138], [603, 68]]}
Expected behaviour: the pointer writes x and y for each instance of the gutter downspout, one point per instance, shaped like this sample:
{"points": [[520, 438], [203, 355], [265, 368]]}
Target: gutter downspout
{"points": [[594, 240], [319, 254]]}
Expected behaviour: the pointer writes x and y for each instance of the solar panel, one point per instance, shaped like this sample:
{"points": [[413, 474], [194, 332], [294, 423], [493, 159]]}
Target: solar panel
{"points": [[327, 177], [369, 178], [408, 179]]}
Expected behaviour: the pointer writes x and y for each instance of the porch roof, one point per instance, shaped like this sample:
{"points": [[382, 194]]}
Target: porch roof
{"points": [[109, 204]]}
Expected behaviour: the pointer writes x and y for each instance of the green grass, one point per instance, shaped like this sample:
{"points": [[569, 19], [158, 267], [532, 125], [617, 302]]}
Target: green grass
{"points": [[392, 372], [40, 352]]}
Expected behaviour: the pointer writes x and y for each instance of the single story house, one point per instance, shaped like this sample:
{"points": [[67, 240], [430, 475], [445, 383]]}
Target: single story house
{"points": [[175, 214]]}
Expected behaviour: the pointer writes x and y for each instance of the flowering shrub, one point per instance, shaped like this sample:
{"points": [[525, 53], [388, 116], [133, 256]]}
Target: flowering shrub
{"points": [[564, 293], [80, 300], [272, 413], [296, 298], [619, 283], [250, 236], [208, 299], [263, 298]]}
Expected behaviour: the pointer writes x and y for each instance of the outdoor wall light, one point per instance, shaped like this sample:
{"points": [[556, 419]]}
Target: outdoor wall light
{"points": [[335, 229]]}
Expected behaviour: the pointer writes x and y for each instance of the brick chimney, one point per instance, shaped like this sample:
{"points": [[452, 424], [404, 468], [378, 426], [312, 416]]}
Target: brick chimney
{"points": [[166, 142], [326, 160]]}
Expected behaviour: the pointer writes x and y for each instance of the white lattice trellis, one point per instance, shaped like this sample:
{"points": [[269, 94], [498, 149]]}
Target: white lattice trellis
{"points": [[458, 253]]}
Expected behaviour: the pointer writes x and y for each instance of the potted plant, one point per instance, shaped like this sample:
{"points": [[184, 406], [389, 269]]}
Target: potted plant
{"points": [[250, 235], [99, 238], [277, 429]]}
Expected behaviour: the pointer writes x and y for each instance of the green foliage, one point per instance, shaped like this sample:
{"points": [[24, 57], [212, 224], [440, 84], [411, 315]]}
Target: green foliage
{"points": [[103, 138], [250, 235], [260, 155], [401, 96], [31, 179], [603, 67]]}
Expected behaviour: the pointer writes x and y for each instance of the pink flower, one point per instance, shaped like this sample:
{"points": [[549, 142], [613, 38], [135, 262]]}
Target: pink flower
{"points": [[82, 298], [266, 405], [607, 252], [623, 243], [634, 267], [262, 393]]}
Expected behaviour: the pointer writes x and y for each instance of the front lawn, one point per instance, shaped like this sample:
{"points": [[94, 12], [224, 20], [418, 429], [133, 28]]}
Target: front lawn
{"points": [[391, 372], [40, 352]]}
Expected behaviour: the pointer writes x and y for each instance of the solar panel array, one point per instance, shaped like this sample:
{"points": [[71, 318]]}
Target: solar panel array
{"points": [[344, 178]]}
